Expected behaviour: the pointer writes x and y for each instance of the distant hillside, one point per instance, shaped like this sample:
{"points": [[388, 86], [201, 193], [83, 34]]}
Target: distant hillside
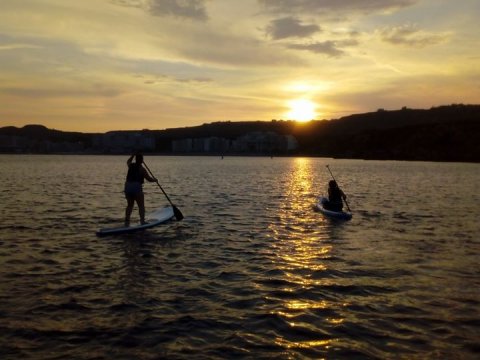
{"points": [[445, 133], [40, 132]]}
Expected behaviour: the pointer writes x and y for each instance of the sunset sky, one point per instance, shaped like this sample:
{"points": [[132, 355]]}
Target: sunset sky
{"points": [[99, 65]]}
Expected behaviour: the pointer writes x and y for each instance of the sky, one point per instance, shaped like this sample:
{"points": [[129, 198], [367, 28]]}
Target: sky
{"points": [[101, 65]]}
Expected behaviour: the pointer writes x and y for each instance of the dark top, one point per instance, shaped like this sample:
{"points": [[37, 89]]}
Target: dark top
{"points": [[135, 173], [335, 195]]}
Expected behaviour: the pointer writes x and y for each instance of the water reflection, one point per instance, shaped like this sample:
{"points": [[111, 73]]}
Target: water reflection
{"points": [[252, 269], [325, 344], [301, 245], [297, 233]]}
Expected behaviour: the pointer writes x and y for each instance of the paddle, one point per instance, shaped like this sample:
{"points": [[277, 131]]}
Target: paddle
{"points": [[178, 214], [346, 203]]}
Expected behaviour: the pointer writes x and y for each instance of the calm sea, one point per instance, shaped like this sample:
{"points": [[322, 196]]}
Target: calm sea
{"points": [[252, 272]]}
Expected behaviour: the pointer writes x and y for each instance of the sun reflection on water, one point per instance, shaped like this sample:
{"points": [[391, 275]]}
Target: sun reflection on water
{"points": [[300, 246], [304, 344]]}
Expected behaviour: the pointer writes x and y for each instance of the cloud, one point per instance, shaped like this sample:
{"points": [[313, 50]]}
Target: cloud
{"points": [[194, 80], [323, 6], [329, 48], [193, 9], [196, 43], [94, 91], [290, 27], [170, 79], [204, 46], [409, 35], [190, 9], [8, 47]]}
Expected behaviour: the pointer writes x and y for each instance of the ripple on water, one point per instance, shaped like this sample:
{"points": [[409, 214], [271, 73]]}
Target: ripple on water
{"points": [[251, 272]]}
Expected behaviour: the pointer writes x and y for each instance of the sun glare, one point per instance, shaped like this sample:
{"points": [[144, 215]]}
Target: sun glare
{"points": [[301, 110]]}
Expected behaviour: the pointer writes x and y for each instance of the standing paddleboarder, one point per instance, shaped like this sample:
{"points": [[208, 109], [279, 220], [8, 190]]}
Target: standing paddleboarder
{"points": [[134, 187]]}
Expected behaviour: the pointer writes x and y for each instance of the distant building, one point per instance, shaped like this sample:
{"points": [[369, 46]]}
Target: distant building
{"points": [[292, 143], [217, 145], [182, 146], [124, 141], [201, 145], [258, 142]]}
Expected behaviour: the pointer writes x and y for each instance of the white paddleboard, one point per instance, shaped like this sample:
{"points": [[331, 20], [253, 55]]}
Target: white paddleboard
{"points": [[331, 214], [155, 218]]}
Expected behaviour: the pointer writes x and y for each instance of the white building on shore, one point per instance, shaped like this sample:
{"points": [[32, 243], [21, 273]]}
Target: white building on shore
{"points": [[258, 142], [124, 141]]}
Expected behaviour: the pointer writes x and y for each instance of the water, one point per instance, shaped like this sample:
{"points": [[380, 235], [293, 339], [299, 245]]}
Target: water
{"points": [[251, 272]]}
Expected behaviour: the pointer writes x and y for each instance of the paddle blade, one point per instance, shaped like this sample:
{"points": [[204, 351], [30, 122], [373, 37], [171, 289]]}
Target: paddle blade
{"points": [[178, 214]]}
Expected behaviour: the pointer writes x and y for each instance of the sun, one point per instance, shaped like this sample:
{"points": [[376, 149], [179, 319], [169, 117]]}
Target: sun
{"points": [[301, 110]]}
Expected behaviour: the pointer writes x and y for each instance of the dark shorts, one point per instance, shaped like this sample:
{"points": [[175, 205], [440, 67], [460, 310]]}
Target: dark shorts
{"points": [[133, 189]]}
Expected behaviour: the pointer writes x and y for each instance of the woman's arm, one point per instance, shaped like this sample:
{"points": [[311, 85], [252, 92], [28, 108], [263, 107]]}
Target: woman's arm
{"points": [[130, 159], [147, 176]]}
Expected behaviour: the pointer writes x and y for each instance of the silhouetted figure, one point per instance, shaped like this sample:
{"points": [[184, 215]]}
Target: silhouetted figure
{"points": [[134, 187], [335, 196]]}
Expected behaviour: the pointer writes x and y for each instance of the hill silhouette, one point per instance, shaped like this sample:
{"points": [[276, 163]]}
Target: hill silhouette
{"points": [[445, 133], [40, 132]]}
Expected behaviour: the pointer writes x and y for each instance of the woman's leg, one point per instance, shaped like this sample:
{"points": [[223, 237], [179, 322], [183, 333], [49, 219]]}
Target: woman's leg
{"points": [[139, 198], [128, 210]]}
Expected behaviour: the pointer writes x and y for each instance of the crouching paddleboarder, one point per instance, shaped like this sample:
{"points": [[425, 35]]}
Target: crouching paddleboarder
{"points": [[335, 196]]}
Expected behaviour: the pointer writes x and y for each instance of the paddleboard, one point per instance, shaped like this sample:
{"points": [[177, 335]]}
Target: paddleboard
{"points": [[155, 218], [341, 215]]}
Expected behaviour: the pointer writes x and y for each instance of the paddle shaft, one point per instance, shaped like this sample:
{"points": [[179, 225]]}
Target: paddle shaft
{"points": [[346, 203], [178, 213]]}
